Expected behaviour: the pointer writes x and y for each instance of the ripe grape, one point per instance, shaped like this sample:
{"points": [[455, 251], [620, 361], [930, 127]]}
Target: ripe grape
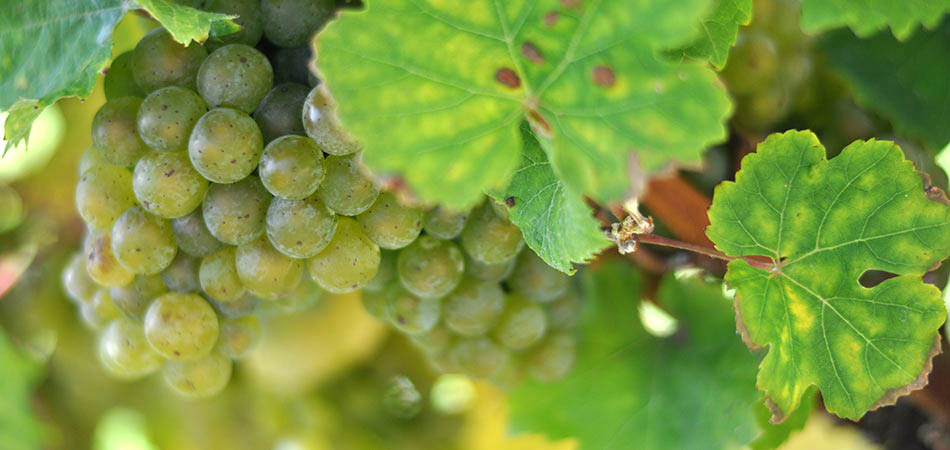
{"points": [[101, 264], [473, 307], [278, 114], [522, 325], [300, 228], [166, 117], [553, 358], [376, 303], [132, 300], [385, 273], [225, 145], [266, 272], [181, 327], [235, 76], [479, 357], [100, 311], [118, 81], [430, 267], [249, 18], [563, 311], [411, 314], [91, 157], [536, 280], [125, 352], [292, 65], [489, 272], [290, 23], [349, 261], [489, 237], [291, 167], [193, 236], [241, 307], [344, 189], [166, 185], [143, 243], [182, 274], [114, 131], [443, 223], [322, 125], [159, 61], [753, 63], [200, 378], [435, 341], [305, 296], [218, 276], [390, 225], [238, 336], [79, 287], [234, 213]]}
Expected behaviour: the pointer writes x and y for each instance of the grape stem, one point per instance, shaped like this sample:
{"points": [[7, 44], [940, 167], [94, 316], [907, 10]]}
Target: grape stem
{"points": [[654, 239]]}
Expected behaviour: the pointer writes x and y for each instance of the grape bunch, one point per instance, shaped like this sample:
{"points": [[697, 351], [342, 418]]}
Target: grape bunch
{"points": [[221, 189]]}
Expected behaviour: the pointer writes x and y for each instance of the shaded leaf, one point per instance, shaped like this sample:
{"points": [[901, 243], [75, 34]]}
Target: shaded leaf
{"points": [[188, 24], [866, 17], [719, 31]]}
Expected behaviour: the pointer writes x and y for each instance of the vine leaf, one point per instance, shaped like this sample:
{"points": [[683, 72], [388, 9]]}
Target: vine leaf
{"points": [[718, 31], [692, 390], [824, 223], [913, 93], [437, 90], [555, 222], [866, 17], [187, 24]]}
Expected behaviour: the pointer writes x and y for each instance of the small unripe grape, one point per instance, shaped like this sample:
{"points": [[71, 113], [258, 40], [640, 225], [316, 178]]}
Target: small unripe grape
{"points": [[236, 76], [349, 261], [536, 280], [389, 224], [143, 243], [249, 18], [119, 81], [291, 23], [125, 352], [234, 213], [443, 223], [553, 358], [291, 167], [101, 263], [181, 327], [473, 307], [239, 336], [104, 192], [322, 125], [79, 287], [159, 61], [344, 189], [166, 185], [385, 273], [266, 272], [167, 116], [411, 314], [430, 267], [193, 236], [401, 399], [114, 131], [489, 237], [300, 228], [479, 357], [182, 274], [225, 145], [219, 278], [278, 114], [494, 273], [200, 378], [522, 325], [132, 300]]}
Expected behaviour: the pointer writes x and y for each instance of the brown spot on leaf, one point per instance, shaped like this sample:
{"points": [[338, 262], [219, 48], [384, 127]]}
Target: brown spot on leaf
{"points": [[550, 19], [531, 52], [510, 202], [569, 4], [508, 77], [604, 76]]}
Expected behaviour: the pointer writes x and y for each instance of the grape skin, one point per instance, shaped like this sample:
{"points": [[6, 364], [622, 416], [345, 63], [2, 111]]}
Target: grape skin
{"points": [[322, 125], [181, 327], [536, 280], [114, 131], [349, 261], [167, 116], [159, 61], [142, 243], [290, 23], [241, 307], [249, 18], [430, 267], [473, 307], [390, 225], [522, 325], [238, 336], [103, 193], [490, 238], [91, 157], [479, 357], [344, 189], [76, 282], [193, 236], [235, 213], [494, 273], [100, 311], [291, 167], [411, 314], [236, 76], [182, 274], [385, 273], [101, 264], [225, 145], [266, 272], [300, 228], [218, 276], [166, 184], [278, 113], [201, 378], [443, 223], [119, 81], [125, 352], [553, 358], [132, 300]]}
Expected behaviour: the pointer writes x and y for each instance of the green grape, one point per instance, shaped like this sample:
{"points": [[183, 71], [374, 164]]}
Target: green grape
{"points": [[159, 61], [292, 65], [101, 264], [349, 262], [278, 114], [181, 327], [118, 81], [479, 357], [344, 189], [241, 307], [167, 116], [411, 314], [300, 228], [90, 318], [494, 273], [766, 106], [249, 18], [193, 236], [125, 352], [166, 185], [435, 341], [376, 303], [103, 306], [536, 280], [200, 378], [323, 126], [182, 274], [91, 157], [473, 307], [305, 296], [234, 213], [225, 145], [291, 167], [430, 267], [489, 237], [238, 336], [401, 399], [522, 325], [218, 276], [389, 224], [76, 282], [291, 23], [753, 63], [132, 300], [385, 273], [143, 243], [443, 223], [11, 209], [114, 132], [553, 358], [103, 194], [266, 272], [510, 375], [235, 76], [563, 311]]}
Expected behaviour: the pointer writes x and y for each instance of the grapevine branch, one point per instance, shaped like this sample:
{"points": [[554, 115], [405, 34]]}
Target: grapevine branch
{"points": [[655, 239]]}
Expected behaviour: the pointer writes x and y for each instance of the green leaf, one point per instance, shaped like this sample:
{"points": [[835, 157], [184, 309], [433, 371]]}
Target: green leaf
{"points": [[187, 24], [19, 427], [824, 223], [630, 389], [866, 17], [555, 222], [719, 31], [903, 82], [437, 90], [773, 436]]}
